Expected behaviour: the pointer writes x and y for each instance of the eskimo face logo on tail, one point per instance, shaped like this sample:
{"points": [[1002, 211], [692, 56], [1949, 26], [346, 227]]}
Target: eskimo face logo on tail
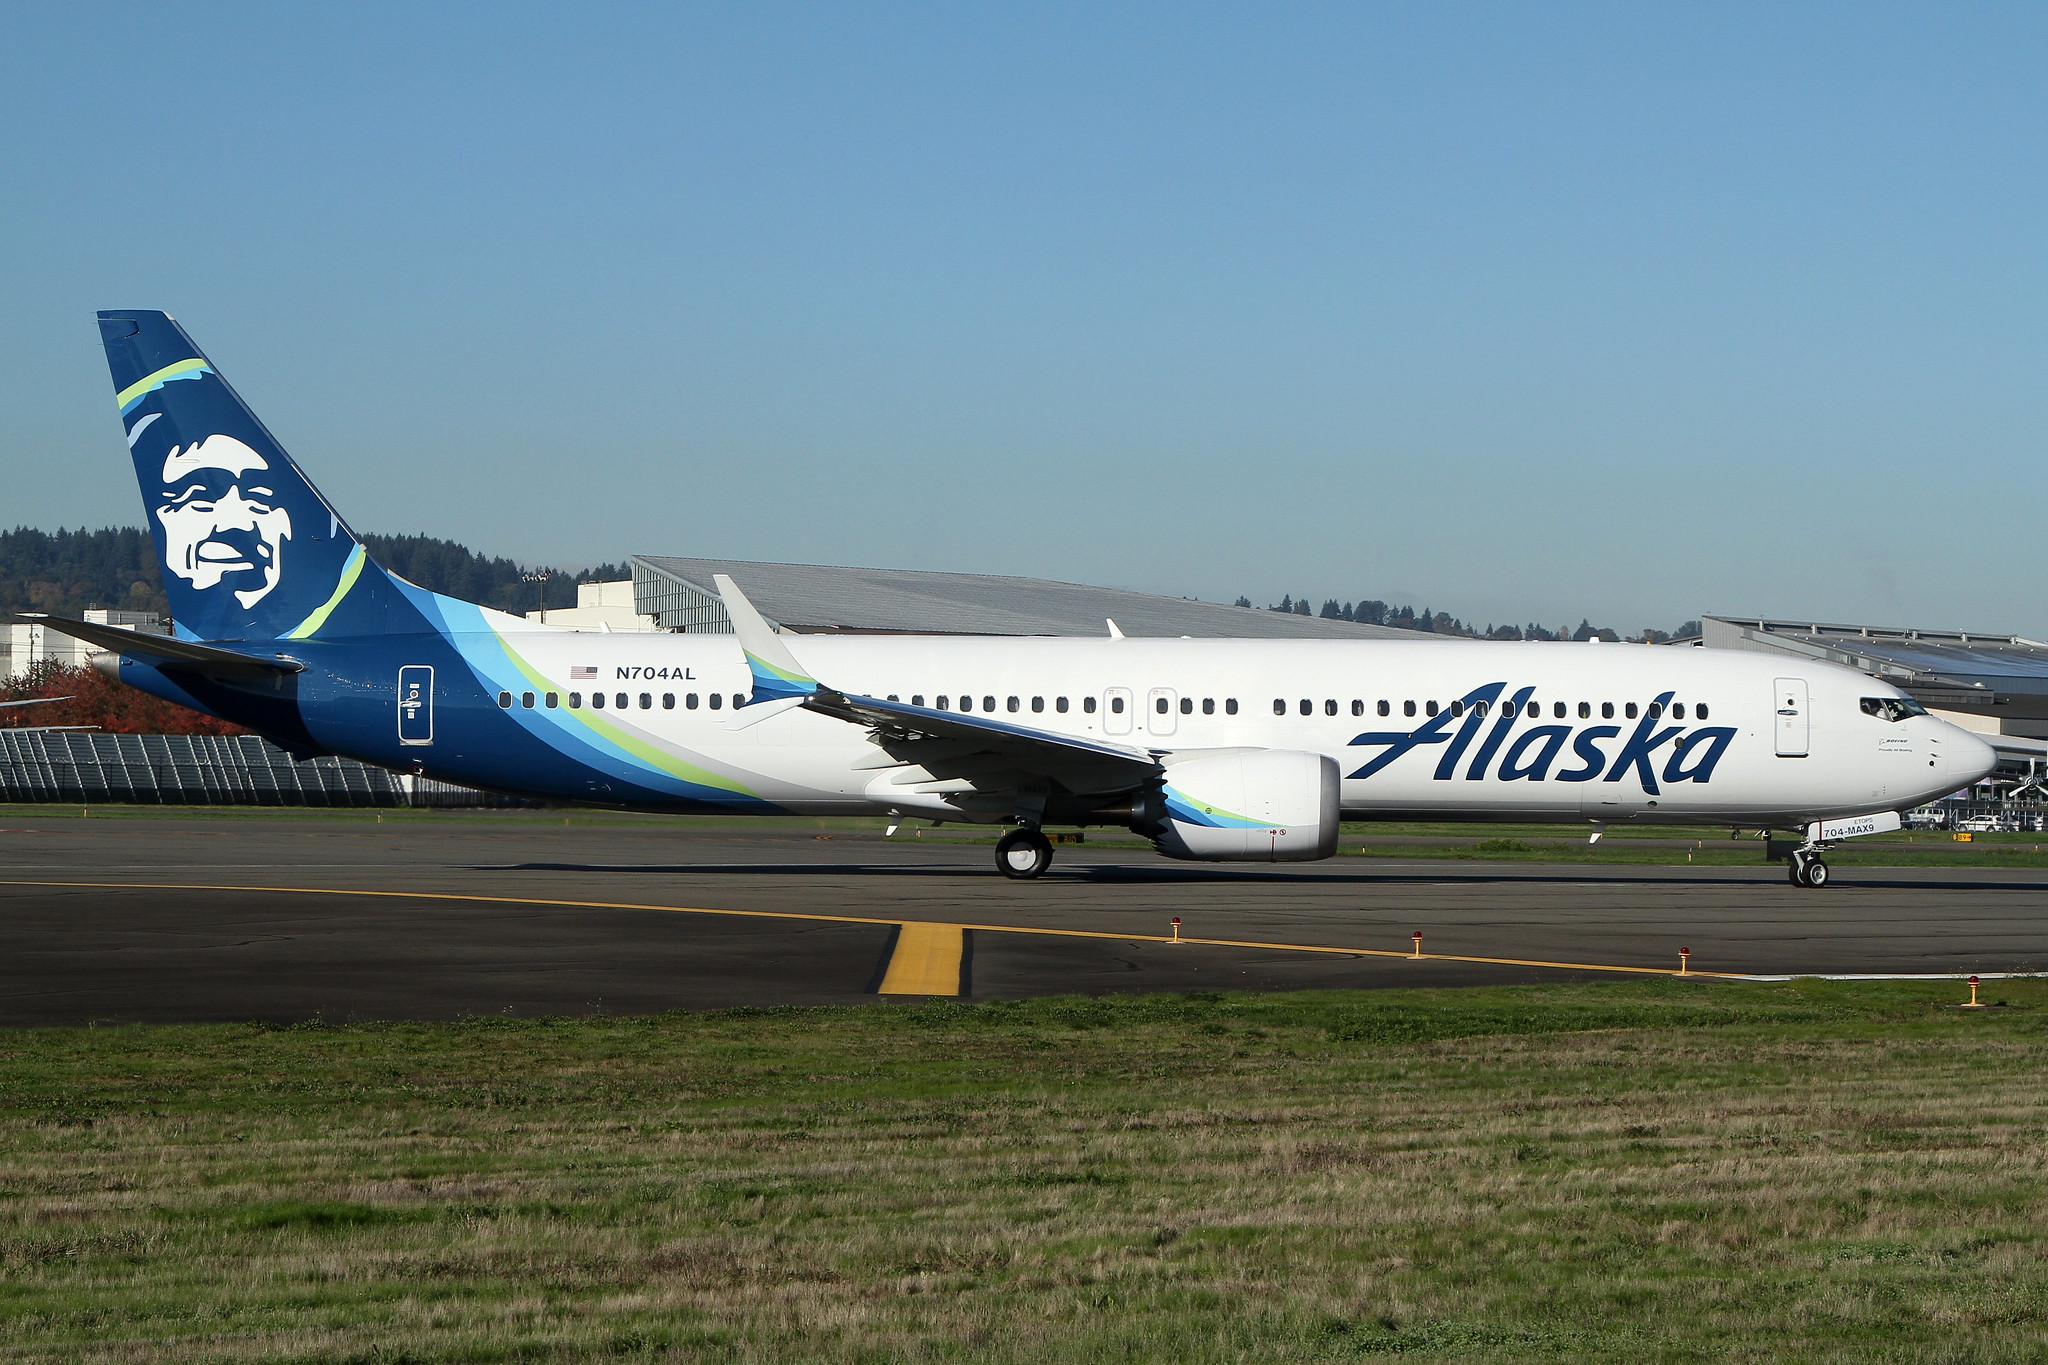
{"points": [[221, 519]]}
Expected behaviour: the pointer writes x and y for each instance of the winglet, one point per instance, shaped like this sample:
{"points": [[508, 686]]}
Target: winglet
{"points": [[777, 674], [1114, 633]]}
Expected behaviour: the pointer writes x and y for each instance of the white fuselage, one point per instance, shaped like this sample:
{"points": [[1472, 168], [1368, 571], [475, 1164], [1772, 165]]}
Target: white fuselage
{"points": [[1723, 746]]}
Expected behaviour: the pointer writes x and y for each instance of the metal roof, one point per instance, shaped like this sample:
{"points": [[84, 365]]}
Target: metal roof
{"points": [[812, 598], [2005, 675]]}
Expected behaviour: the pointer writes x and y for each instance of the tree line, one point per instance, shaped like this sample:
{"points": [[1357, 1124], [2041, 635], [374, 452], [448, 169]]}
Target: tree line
{"points": [[68, 572], [1371, 611]]}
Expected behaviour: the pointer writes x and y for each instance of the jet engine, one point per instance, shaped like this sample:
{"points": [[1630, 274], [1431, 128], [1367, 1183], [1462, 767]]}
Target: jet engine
{"points": [[1251, 806]]}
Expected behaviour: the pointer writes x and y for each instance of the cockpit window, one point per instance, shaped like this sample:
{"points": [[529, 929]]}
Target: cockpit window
{"points": [[1893, 709]]}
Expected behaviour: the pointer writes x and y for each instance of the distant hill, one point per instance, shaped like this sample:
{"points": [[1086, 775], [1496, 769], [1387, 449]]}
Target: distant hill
{"points": [[72, 571]]}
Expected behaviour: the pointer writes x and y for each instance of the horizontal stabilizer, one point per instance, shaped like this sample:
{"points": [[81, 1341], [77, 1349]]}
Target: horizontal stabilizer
{"points": [[187, 656]]}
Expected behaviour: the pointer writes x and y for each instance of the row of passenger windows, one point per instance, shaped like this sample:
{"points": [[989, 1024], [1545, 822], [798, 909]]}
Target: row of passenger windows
{"points": [[965, 702], [1480, 708], [621, 701]]}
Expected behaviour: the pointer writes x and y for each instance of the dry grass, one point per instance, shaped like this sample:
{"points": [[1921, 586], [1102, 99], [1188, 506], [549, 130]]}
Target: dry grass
{"points": [[1633, 1171]]}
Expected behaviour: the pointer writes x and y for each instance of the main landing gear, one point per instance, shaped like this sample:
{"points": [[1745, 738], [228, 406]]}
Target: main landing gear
{"points": [[1023, 853], [1805, 868]]}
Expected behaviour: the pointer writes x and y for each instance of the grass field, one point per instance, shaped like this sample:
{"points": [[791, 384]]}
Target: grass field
{"points": [[1634, 1171]]}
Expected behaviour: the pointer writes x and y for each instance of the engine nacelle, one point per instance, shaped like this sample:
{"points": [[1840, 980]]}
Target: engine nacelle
{"points": [[1256, 806]]}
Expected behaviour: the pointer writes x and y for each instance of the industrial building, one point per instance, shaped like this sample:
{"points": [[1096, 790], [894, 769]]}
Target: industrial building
{"points": [[675, 594]]}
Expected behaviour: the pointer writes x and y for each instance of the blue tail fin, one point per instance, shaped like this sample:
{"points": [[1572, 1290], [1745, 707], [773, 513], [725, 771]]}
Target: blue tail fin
{"points": [[250, 549]]}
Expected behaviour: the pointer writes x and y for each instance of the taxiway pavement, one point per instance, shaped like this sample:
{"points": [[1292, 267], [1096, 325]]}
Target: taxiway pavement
{"points": [[177, 919]]}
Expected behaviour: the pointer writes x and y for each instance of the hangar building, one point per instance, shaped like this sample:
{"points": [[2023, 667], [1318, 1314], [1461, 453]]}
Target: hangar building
{"points": [[810, 599]]}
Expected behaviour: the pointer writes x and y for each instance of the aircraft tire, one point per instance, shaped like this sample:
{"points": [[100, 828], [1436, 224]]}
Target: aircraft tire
{"points": [[1022, 854], [1816, 873]]}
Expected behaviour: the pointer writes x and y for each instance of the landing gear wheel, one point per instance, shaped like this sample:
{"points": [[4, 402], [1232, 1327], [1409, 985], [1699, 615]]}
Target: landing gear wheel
{"points": [[1022, 854], [1808, 870]]}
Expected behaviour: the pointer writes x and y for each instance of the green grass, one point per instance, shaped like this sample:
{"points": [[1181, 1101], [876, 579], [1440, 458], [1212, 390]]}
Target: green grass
{"points": [[1628, 1171]]}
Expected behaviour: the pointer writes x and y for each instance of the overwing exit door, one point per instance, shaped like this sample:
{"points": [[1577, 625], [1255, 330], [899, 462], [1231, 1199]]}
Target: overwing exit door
{"points": [[1116, 708], [1789, 714], [1160, 717]]}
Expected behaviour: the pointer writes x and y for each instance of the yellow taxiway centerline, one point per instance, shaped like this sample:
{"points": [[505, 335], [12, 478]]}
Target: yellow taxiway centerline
{"points": [[905, 925]]}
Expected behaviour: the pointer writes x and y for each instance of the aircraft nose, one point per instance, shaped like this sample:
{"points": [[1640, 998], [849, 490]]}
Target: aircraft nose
{"points": [[1970, 759]]}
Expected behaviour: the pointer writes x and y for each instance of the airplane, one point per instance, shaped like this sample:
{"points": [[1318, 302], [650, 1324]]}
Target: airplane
{"points": [[1215, 750]]}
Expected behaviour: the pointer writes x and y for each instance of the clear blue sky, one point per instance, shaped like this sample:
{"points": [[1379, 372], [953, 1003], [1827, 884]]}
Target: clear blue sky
{"points": [[1513, 311]]}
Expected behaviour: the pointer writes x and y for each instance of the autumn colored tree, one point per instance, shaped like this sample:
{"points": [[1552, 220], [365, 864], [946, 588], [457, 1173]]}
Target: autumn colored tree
{"points": [[93, 700]]}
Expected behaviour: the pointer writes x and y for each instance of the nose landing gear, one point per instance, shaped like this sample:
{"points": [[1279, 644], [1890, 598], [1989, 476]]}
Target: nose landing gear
{"points": [[1023, 853]]}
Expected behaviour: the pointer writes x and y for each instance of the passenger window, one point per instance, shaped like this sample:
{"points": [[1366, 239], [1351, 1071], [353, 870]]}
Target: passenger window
{"points": [[1536, 710], [1700, 712], [647, 701], [966, 703], [989, 704], [668, 701], [526, 700], [1308, 708], [505, 701], [619, 700], [1630, 710], [689, 701], [1408, 708], [1330, 707], [1013, 704], [1087, 704], [1557, 709], [1279, 706], [553, 699], [739, 699], [1478, 708], [1457, 708], [716, 701], [1385, 709], [943, 703], [894, 697], [1059, 704], [1187, 706], [1159, 705], [1208, 706], [1607, 710], [597, 700], [1357, 707], [1038, 704], [1655, 710], [1585, 710], [1230, 706], [1430, 707], [575, 701], [917, 699], [1678, 710], [1116, 704]]}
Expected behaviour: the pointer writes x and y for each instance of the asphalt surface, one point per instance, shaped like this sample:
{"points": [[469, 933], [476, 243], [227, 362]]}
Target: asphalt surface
{"points": [[187, 920]]}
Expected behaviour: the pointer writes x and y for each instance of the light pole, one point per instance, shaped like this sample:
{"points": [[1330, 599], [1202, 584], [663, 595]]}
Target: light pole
{"points": [[541, 578]]}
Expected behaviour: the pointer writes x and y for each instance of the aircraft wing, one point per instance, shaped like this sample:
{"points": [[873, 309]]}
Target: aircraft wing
{"points": [[969, 740], [209, 660], [937, 741]]}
